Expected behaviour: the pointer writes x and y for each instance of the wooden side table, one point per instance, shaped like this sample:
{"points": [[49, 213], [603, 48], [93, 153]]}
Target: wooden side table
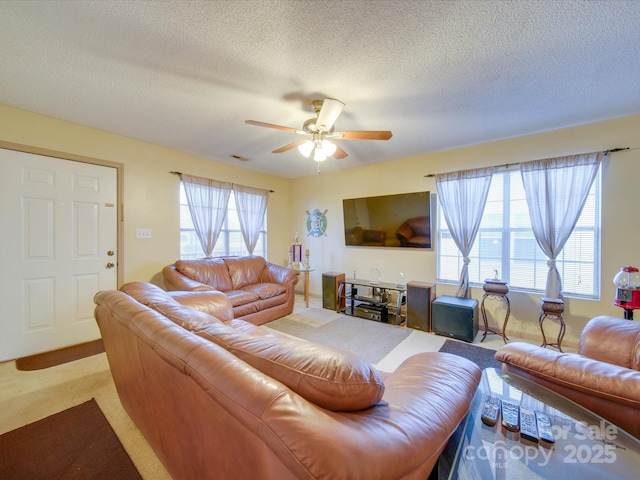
{"points": [[306, 271], [495, 289], [552, 308]]}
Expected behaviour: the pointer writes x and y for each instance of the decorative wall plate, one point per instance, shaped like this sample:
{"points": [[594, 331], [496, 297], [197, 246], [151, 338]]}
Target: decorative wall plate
{"points": [[316, 223]]}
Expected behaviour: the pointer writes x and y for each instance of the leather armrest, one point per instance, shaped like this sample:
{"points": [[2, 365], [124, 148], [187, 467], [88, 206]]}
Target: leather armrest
{"points": [[174, 280], [425, 399], [281, 275], [612, 340], [423, 383], [574, 371], [213, 302]]}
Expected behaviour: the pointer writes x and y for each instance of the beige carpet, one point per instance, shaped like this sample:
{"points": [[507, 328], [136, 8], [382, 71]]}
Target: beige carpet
{"points": [[29, 396], [369, 339]]}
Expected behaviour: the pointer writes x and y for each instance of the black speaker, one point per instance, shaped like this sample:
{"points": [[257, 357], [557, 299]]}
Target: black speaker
{"points": [[455, 317], [419, 298], [330, 284]]}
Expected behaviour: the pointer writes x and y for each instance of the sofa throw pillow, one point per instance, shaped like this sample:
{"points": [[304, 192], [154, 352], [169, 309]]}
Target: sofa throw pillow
{"points": [[328, 377]]}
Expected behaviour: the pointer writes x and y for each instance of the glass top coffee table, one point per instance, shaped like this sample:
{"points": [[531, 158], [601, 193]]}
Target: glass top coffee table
{"points": [[585, 446]]}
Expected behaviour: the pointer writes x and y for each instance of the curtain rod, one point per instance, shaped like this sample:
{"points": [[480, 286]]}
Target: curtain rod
{"points": [[180, 175], [507, 165]]}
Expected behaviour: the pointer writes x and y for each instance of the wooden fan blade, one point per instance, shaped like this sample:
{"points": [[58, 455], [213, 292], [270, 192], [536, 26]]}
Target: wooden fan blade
{"points": [[339, 153], [363, 135], [289, 147], [271, 125], [329, 113]]}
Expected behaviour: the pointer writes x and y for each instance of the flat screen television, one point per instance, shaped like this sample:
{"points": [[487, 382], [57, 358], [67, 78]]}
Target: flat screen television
{"points": [[402, 220]]}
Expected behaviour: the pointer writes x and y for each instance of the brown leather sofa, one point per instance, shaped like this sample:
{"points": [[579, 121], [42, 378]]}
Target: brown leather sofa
{"points": [[229, 399], [603, 376], [259, 291]]}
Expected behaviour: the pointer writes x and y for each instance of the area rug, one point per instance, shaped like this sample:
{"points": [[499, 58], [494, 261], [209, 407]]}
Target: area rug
{"points": [[366, 338], [483, 357], [77, 443]]}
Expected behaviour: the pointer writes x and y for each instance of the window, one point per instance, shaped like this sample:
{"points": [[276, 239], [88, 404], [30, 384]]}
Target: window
{"points": [[506, 243], [229, 242]]}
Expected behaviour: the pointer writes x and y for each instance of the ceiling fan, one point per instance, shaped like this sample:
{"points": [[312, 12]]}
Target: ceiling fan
{"points": [[321, 128]]}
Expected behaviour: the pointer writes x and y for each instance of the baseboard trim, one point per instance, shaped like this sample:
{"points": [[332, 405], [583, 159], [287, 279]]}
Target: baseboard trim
{"points": [[58, 357]]}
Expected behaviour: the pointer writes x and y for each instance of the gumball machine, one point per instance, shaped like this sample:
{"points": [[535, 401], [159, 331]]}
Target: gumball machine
{"points": [[627, 282]]}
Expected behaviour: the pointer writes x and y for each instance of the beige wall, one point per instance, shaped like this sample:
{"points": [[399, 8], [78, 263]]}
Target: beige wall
{"points": [[620, 237], [150, 197], [150, 192]]}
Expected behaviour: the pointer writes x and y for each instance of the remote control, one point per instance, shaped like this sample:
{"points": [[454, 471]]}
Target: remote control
{"points": [[490, 411], [528, 426], [510, 416], [544, 428]]}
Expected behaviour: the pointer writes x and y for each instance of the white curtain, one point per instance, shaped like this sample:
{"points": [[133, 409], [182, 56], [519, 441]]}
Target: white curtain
{"points": [[208, 200], [251, 204], [556, 190], [463, 196]]}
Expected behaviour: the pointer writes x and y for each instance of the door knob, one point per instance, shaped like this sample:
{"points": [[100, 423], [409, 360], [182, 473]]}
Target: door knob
{"points": [[111, 265], [111, 253]]}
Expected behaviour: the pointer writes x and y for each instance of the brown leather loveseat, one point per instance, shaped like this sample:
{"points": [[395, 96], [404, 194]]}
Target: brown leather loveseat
{"points": [[229, 399], [604, 376], [259, 291]]}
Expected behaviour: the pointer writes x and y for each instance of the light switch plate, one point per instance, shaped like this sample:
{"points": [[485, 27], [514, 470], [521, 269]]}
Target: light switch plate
{"points": [[143, 233]]}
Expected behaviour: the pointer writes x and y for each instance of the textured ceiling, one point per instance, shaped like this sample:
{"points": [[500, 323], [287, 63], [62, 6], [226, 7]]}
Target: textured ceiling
{"points": [[438, 74]]}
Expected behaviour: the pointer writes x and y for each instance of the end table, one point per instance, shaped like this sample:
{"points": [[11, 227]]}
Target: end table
{"points": [[552, 308], [498, 290]]}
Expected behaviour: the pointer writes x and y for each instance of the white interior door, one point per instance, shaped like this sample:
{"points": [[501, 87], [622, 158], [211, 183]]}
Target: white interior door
{"points": [[59, 232]]}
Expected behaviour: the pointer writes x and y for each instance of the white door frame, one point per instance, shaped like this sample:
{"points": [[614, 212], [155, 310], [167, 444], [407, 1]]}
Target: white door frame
{"points": [[94, 161]]}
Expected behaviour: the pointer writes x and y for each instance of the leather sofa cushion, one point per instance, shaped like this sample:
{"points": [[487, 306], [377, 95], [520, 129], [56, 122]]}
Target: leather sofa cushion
{"points": [[245, 270], [327, 377], [157, 299], [210, 271], [241, 297], [265, 290]]}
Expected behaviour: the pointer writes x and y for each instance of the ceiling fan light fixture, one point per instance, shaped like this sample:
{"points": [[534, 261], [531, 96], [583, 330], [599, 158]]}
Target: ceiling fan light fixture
{"points": [[319, 155], [306, 148], [321, 127], [328, 148]]}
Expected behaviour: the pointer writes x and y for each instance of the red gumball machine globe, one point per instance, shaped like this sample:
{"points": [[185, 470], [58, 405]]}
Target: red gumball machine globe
{"points": [[627, 282]]}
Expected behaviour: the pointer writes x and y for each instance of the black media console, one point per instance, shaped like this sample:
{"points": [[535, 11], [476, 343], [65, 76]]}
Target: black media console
{"points": [[373, 301]]}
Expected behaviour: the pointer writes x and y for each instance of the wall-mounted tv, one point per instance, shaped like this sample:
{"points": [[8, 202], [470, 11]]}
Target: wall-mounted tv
{"points": [[402, 220]]}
